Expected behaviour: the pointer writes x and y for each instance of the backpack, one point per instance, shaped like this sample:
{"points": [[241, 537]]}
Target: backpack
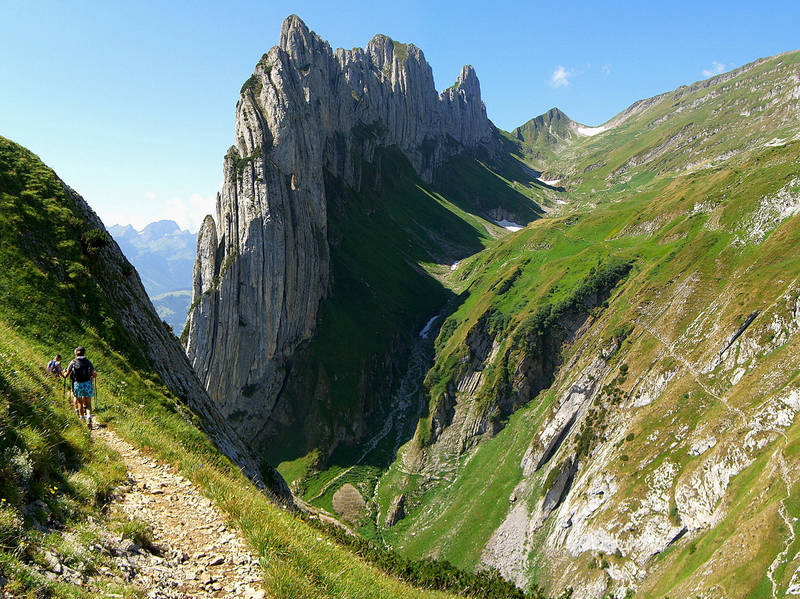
{"points": [[51, 367], [81, 369]]}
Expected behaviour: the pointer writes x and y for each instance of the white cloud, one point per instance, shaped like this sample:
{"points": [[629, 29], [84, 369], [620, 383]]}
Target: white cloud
{"points": [[606, 70], [561, 76], [149, 195], [716, 69]]}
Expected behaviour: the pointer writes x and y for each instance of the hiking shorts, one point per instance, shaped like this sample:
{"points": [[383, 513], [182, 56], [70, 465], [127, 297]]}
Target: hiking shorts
{"points": [[83, 389]]}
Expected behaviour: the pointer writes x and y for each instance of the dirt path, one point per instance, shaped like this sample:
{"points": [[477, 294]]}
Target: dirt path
{"points": [[781, 557], [696, 375], [200, 557]]}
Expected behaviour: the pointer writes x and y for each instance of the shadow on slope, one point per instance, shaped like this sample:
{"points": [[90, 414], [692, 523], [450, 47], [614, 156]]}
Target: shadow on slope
{"points": [[390, 244], [496, 189]]}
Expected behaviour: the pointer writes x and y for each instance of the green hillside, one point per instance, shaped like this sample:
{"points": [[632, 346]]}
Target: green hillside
{"points": [[543, 137], [56, 481], [607, 399], [666, 293]]}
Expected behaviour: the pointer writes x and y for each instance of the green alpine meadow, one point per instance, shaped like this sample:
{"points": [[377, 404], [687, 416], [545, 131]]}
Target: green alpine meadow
{"points": [[423, 356]]}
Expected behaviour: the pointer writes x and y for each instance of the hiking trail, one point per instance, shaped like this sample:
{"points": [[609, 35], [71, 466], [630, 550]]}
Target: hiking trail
{"points": [[781, 558], [200, 557]]}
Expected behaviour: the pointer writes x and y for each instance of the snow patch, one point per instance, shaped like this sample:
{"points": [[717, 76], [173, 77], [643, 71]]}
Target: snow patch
{"points": [[454, 265], [427, 328], [591, 131], [509, 225], [551, 182]]}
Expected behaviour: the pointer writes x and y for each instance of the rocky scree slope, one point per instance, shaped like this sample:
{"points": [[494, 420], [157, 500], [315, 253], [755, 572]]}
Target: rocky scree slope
{"points": [[613, 405], [319, 132]]}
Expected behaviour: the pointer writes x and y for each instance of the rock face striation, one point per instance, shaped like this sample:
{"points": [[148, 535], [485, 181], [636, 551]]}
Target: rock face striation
{"points": [[263, 264]]}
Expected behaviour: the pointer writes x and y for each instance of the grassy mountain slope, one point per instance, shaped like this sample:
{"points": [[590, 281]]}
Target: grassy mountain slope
{"points": [[612, 405], [53, 297], [543, 136], [692, 128], [494, 188]]}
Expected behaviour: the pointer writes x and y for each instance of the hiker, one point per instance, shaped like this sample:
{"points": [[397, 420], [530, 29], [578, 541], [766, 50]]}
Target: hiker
{"points": [[81, 373], [54, 366]]}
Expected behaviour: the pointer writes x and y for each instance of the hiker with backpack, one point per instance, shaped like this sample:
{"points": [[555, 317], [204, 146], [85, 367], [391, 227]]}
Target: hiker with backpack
{"points": [[81, 373], [54, 366], [54, 369]]}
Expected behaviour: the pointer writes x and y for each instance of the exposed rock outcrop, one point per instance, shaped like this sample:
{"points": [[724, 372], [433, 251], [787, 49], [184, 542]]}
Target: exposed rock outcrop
{"points": [[462, 415], [263, 265], [397, 510]]}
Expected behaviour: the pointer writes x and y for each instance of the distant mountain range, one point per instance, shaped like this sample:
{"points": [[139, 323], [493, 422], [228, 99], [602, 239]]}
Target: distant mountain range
{"points": [[163, 254]]}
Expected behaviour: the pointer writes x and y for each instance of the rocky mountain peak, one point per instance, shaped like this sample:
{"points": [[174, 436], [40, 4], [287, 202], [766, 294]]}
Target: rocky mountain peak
{"points": [[160, 228], [263, 265], [556, 114], [468, 82], [380, 46], [383, 50], [299, 42]]}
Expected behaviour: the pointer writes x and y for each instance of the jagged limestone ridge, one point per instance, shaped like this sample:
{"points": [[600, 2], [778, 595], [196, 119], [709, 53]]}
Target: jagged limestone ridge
{"points": [[263, 265]]}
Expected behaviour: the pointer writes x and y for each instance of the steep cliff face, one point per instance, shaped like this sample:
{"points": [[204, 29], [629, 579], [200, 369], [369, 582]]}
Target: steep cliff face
{"points": [[264, 265]]}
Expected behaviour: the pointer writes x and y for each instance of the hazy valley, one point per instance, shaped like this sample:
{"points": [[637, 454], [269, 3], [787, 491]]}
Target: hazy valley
{"points": [[163, 254]]}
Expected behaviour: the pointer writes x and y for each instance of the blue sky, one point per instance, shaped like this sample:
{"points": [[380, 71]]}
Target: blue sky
{"points": [[133, 103]]}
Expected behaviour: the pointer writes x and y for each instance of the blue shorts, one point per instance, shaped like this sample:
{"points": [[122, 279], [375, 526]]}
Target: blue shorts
{"points": [[83, 389]]}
